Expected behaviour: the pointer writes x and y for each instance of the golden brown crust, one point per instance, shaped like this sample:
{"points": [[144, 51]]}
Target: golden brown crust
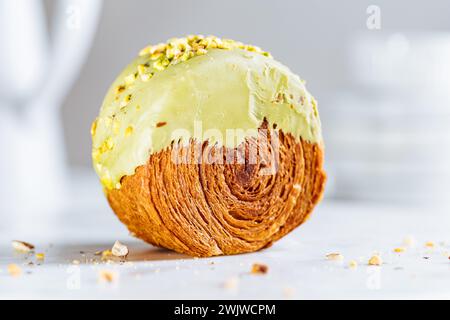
{"points": [[221, 208]]}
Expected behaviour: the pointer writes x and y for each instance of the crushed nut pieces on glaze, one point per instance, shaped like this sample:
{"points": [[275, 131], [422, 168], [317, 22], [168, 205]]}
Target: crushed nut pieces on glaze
{"points": [[161, 56]]}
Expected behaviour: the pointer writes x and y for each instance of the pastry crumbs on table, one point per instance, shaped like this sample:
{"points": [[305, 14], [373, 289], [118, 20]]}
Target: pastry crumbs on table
{"points": [[429, 244], [334, 256], [161, 124], [106, 253], [353, 264], [22, 246], [14, 270], [258, 268], [399, 250], [119, 250], [231, 283], [129, 131], [409, 241], [40, 256], [107, 276], [375, 260], [288, 292]]}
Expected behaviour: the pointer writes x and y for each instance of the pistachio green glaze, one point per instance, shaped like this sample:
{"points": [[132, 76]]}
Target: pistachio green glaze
{"points": [[222, 89]]}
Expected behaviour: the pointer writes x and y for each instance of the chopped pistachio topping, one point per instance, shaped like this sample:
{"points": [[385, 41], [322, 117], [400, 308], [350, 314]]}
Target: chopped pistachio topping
{"points": [[129, 131], [126, 100], [93, 127], [116, 126], [147, 76], [181, 49], [120, 89], [129, 80]]}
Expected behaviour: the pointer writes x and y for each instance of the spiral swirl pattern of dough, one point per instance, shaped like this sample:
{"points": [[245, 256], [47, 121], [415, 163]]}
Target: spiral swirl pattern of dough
{"points": [[223, 206]]}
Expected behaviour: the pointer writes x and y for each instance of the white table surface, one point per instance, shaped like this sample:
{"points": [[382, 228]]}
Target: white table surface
{"points": [[297, 265]]}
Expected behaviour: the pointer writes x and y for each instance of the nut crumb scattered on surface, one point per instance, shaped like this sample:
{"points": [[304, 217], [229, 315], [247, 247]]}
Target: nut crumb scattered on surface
{"points": [[231, 283], [399, 250], [375, 261], [22, 246], [14, 270], [40, 256], [107, 276], [161, 124], [258, 268], [335, 256], [409, 241], [353, 264], [119, 250], [106, 253], [429, 244], [288, 292]]}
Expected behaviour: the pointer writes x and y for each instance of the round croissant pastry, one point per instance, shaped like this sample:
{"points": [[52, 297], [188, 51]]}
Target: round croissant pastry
{"points": [[207, 146]]}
